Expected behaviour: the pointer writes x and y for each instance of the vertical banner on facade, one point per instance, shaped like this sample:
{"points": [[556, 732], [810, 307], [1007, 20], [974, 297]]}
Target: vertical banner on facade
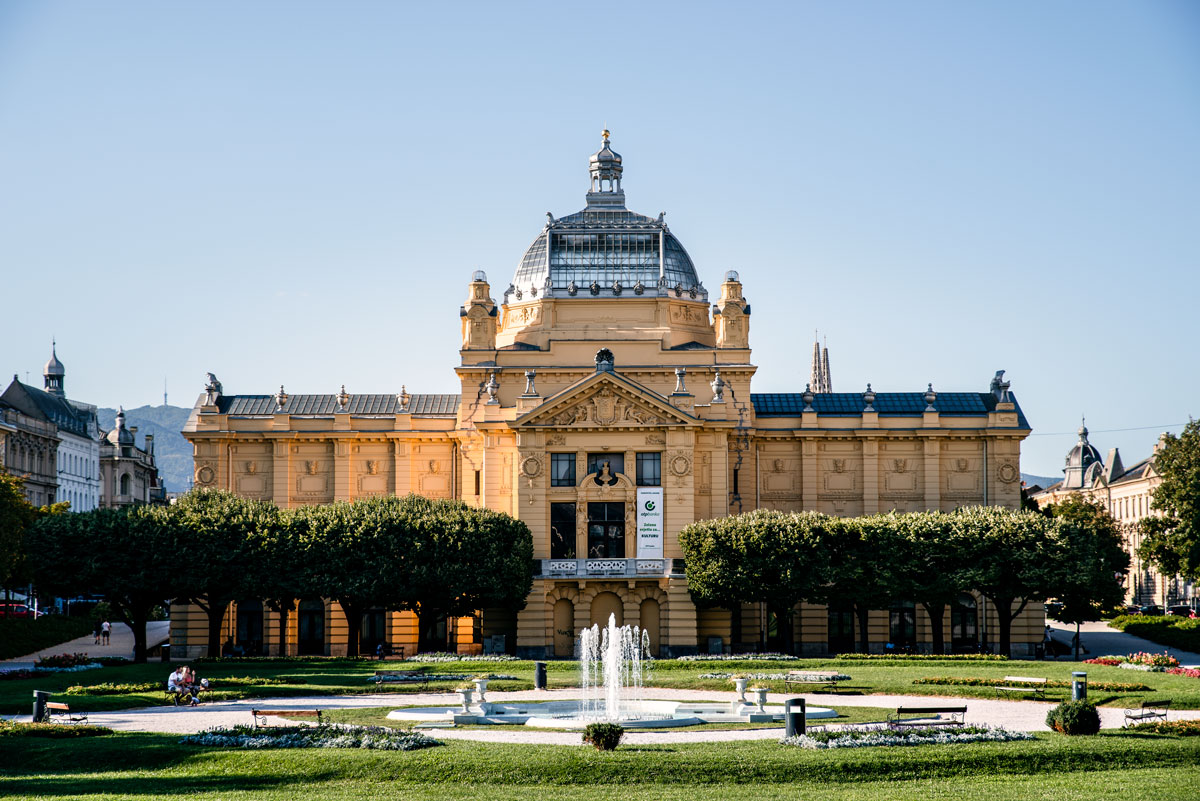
{"points": [[649, 523]]}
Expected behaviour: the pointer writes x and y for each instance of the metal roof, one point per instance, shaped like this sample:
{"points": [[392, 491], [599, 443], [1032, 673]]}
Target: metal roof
{"points": [[429, 405], [887, 404]]}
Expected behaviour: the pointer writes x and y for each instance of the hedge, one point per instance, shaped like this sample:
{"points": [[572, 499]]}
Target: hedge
{"points": [[1170, 630], [22, 636], [967, 681]]}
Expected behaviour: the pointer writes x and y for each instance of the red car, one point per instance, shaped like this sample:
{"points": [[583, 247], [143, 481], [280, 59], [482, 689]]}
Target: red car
{"points": [[15, 610]]}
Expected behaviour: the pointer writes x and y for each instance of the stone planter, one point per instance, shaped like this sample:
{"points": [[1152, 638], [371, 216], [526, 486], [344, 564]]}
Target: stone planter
{"points": [[761, 693], [741, 685], [466, 700], [481, 688]]}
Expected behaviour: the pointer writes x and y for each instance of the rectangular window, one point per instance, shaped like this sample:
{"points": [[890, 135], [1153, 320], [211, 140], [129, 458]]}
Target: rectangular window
{"points": [[649, 469], [902, 626], [562, 469], [735, 482], [596, 462], [478, 482], [606, 531], [562, 531]]}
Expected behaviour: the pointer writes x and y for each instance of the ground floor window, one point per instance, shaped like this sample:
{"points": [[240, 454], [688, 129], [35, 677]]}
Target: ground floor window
{"points": [[606, 530], [310, 621], [841, 630], [562, 531], [964, 624]]}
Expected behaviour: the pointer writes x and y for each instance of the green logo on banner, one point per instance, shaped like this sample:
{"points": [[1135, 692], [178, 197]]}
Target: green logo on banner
{"points": [[649, 506]]}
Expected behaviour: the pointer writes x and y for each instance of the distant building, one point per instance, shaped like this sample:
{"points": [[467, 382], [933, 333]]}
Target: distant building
{"points": [[128, 474], [30, 439], [1126, 493], [77, 463]]}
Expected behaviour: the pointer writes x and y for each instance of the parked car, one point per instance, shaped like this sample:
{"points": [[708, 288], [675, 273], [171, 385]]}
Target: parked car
{"points": [[1150, 609], [1181, 611], [15, 610]]}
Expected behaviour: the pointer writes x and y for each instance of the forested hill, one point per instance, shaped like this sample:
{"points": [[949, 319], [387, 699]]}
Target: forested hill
{"points": [[171, 450]]}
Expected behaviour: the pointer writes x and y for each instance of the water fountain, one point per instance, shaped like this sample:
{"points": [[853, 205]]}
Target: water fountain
{"points": [[614, 663]]}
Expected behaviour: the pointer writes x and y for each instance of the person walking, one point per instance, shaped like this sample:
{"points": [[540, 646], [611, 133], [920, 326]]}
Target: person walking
{"points": [[106, 630], [96, 632]]}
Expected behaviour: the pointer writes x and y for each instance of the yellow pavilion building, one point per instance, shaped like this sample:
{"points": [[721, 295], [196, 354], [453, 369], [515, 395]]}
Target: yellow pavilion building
{"points": [[606, 401]]}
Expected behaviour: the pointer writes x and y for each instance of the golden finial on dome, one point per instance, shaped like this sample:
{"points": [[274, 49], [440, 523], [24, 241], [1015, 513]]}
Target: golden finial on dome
{"points": [[605, 135]]}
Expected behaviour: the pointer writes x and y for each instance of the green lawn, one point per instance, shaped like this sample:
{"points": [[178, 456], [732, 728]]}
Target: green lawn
{"points": [[335, 677], [1108, 766]]}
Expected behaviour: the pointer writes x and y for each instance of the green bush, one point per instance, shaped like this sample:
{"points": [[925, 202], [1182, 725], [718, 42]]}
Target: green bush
{"points": [[54, 731], [1074, 717], [969, 681], [1170, 630], [604, 736]]}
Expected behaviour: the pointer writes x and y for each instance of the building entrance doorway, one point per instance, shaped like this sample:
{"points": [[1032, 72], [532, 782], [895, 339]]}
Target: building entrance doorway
{"points": [[841, 630], [250, 627]]}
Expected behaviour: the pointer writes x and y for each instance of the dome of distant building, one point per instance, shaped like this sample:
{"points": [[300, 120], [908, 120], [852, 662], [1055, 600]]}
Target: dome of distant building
{"points": [[54, 367], [120, 435], [605, 250], [1083, 463]]}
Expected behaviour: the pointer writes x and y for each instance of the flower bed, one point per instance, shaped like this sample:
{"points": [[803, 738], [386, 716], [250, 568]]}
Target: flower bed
{"points": [[1109, 661], [392, 677], [928, 657], [54, 731], [444, 657], [59, 661], [376, 738], [767, 657], [772, 676], [1151, 663], [1181, 728], [109, 688], [862, 737], [967, 681], [1182, 671]]}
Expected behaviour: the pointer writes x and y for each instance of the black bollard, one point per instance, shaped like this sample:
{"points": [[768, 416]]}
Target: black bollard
{"points": [[39, 705], [539, 675], [793, 721]]}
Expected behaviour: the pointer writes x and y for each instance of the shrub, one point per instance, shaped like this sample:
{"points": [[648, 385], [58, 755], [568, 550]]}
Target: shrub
{"points": [[1169, 630], [64, 661], [52, 731], [1074, 717], [21, 636], [604, 736], [927, 657], [968, 681]]}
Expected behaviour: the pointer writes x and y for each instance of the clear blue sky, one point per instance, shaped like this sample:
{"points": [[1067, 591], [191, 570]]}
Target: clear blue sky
{"points": [[297, 193]]}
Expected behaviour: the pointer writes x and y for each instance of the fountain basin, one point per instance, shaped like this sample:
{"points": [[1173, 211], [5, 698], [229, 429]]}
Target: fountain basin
{"points": [[571, 714]]}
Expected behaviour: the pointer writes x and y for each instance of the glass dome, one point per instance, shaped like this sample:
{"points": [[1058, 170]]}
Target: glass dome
{"points": [[605, 250]]}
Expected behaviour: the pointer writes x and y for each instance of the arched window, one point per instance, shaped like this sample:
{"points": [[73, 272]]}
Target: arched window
{"points": [[124, 484]]}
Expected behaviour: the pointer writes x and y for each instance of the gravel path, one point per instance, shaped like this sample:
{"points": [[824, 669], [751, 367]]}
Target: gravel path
{"points": [[1015, 715]]}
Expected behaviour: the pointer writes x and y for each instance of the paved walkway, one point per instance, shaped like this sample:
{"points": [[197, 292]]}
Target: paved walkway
{"points": [[1101, 639], [1015, 715], [120, 643]]}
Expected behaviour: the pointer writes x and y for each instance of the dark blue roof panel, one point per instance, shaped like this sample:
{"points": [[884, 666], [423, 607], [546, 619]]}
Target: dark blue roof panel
{"points": [[887, 404]]}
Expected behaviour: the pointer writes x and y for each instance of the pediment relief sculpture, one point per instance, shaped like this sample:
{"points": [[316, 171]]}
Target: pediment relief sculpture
{"points": [[607, 407]]}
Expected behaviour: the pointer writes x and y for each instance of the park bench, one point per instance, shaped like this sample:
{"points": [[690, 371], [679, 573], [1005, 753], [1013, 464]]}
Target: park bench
{"points": [[924, 716], [404, 676], [261, 715], [824, 678], [57, 710], [1149, 710], [1023, 684]]}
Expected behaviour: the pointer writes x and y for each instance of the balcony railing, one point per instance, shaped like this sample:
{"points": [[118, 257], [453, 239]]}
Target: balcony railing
{"points": [[608, 568]]}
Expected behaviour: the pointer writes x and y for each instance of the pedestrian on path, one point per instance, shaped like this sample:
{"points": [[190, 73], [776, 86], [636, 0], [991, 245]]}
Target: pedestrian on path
{"points": [[96, 632], [106, 630]]}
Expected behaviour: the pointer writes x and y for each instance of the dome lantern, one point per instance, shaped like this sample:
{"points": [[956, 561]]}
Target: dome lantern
{"points": [[54, 373], [605, 168]]}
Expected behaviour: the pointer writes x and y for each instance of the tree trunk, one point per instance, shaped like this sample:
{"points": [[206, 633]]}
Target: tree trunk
{"points": [[216, 616], [937, 632], [138, 624], [1006, 616], [735, 626], [864, 639], [426, 621], [353, 613], [1077, 641]]}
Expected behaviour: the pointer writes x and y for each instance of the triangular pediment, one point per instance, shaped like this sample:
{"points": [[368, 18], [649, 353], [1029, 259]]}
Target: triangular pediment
{"points": [[605, 400]]}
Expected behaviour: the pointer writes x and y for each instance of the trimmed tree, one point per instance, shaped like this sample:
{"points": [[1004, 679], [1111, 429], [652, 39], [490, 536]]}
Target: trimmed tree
{"points": [[763, 556], [126, 555], [217, 552], [16, 516], [929, 568], [1008, 556], [1172, 542], [1092, 561], [864, 553]]}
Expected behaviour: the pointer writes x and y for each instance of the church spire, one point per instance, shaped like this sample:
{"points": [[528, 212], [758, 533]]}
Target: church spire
{"points": [[820, 378]]}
